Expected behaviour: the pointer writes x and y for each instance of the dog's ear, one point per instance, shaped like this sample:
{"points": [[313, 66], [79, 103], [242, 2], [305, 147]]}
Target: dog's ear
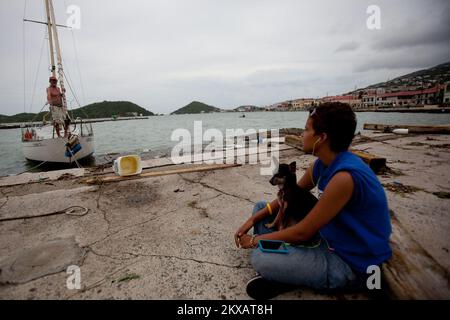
{"points": [[293, 166], [275, 164]]}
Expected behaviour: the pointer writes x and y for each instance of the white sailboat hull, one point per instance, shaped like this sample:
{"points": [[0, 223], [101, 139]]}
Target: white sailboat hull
{"points": [[54, 149]]}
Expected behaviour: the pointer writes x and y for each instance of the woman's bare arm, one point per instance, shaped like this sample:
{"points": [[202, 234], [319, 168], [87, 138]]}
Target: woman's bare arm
{"points": [[261, 214]]}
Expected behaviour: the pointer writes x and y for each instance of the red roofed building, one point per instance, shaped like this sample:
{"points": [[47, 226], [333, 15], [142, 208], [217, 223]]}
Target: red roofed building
{"points": [[428, 96], [353, 101]]}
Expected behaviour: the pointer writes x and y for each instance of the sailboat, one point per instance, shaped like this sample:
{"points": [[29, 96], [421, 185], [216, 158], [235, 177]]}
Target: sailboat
{"points": [[40, 142]]}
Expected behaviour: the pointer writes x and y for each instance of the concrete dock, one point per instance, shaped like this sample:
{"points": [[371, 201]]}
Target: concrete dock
{"points": [[171, 236]]}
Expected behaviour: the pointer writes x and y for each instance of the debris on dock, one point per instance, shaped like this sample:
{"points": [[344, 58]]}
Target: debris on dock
{"points": [[440, 129]]}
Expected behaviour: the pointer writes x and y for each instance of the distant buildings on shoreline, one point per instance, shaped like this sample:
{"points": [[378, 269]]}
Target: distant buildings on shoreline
{"points": [[371, 98], [422, 88]]}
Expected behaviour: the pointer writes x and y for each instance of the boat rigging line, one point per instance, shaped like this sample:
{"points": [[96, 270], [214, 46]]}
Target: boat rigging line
{"points": [[23, 57]]}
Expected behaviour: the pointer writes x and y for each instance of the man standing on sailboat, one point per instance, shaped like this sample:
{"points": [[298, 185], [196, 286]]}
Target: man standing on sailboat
{"points": [[59, 112]]}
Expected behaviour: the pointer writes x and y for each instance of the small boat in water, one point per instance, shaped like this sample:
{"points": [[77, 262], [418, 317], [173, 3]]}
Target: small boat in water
{"points": [[40, 144], [44, 142]]}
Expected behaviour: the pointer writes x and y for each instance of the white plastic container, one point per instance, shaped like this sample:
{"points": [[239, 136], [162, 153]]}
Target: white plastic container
{"points": [[127, 165], [400, 131]]}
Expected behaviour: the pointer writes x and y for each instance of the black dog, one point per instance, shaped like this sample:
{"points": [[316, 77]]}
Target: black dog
{"points": [[297, 201]]}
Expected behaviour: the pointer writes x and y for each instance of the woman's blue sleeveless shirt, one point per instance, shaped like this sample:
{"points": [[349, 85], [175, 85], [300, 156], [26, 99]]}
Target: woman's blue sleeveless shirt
{"points": [[359, 234]]}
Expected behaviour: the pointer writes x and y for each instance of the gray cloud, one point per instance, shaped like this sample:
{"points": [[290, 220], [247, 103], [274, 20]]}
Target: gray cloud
{"points": [[419, 59], [412, 35], [426, 27], [162, 54], [437, 36], [348, 46]]}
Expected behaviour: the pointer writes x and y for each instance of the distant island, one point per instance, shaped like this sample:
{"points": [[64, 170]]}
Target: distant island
{"points": [[105, 109], [248, 108], [196, 107]]}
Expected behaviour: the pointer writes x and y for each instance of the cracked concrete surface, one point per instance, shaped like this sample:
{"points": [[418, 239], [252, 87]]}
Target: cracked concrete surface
{"points": [[42, 260], [175, 233]]}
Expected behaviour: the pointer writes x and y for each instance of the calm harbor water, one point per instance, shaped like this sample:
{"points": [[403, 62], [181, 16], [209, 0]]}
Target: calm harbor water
{"points": [[153, 136]]}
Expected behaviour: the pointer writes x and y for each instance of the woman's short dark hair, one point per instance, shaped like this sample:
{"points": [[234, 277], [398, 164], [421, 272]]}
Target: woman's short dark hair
{"points": [[338, 121]]}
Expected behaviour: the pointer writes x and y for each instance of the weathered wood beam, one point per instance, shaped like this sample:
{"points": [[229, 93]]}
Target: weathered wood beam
{"points": [[295, 141], [376, 163], [441, 129], [412, 273], [97, 180]]}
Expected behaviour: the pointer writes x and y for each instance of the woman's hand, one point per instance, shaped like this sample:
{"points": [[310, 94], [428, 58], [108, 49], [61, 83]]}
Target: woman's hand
{"points": [[242, 231], [247, 242]]}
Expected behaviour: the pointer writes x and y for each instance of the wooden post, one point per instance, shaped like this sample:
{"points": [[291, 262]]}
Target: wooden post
{"points": [[375, 163]]}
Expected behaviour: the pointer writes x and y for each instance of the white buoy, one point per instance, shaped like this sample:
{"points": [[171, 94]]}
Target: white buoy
{"points": [[400, 131]]}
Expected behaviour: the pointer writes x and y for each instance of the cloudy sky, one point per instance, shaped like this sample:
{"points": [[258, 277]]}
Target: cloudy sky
{"points": [[163, 54]]}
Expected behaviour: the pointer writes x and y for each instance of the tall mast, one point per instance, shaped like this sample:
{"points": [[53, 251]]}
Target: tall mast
{"points": [[50, 37], [58, 51]]}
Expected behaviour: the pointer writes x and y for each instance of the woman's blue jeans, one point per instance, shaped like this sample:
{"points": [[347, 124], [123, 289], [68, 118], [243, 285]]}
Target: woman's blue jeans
{"points": [[316, 267]]}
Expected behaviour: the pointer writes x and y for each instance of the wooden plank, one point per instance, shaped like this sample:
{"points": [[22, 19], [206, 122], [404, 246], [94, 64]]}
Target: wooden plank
{"points": [[97, 180], [295, 141], [361, 139], [376, 163], [441, 129], [412, 273], [291, 131]]}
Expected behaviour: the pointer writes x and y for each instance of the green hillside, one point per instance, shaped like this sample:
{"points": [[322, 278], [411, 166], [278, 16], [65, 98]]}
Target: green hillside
{"points": [[21, 117], [434, 75], [105, 109], [196, 107]]}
